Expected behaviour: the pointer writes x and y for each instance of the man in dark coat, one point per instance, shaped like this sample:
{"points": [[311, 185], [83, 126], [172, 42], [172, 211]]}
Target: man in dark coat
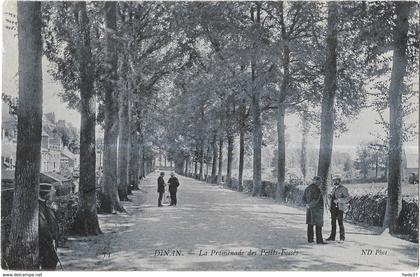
{"points": [[48, 237], [161, 188], [49, 230], [313, 199], [173, 187], [338, 205]]}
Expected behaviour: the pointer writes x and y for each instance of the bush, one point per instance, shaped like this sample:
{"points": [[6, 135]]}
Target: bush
{"points": [[381, 179], [247, 186], [408, 221], [268, 189], [5, 230], [65, 211], [367, 209], [293, 195]]}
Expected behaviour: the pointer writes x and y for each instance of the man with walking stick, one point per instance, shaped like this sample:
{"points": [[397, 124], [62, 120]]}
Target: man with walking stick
{"points": [[313, 199]]}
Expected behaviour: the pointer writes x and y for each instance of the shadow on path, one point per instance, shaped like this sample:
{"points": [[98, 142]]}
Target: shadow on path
{"points": [[209, 218]]}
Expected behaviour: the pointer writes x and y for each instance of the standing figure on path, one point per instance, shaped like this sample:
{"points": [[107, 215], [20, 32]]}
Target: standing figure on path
{"points": [[49, 232], [339, 200], [161, 188], [312, 197], [173, 187]]}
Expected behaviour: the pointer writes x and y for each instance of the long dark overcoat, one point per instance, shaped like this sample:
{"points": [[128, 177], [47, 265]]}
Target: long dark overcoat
{"points": [[313, 198], [161, 184], [173, 184], [48, 237]]}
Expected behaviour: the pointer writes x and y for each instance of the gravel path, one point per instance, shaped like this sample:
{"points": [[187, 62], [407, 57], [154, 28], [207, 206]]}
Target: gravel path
{"points": [[233, 229]]}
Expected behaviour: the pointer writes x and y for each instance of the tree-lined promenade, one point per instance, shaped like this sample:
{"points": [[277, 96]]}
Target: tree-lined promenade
{"points": [[209, 228], [190, 79]]}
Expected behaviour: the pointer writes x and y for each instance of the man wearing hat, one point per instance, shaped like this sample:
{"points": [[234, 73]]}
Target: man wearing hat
{"points": [[49, 230], [314, 201], [161, 188], [173, 187], [338, 205]]}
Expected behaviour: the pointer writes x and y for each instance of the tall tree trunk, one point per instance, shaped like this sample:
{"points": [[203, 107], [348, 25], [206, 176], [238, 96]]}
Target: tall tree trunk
{"points": [[149, 166], [23, 251], [195, 163], [124, 131], [186, 166], [141, 156], [191, 166], [183, 167], [230, 140], [328, 97], [214, 158], [257, 142], [366, 171], [132, 146], [201, 172], [132, 173], [242, 112], [207, 160], [303, 148], [220, 169], [110, 202], [281, 151], [133, 167], [202, 141], [179, 166], [256, 118], [143, 160], [281, 111], [399, 66], [86, 221]]}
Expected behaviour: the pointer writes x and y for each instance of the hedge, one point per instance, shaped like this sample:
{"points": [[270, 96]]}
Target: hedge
{"points": [[360, 208], [360, 212]]}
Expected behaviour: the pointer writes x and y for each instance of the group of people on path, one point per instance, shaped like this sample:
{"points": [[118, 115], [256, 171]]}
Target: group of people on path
{"points": [[173, 188], [314, 200]]}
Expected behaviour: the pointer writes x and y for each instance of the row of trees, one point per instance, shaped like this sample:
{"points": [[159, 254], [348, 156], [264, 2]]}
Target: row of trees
{"points": [[111, 59], [189, 78], [370, 156], [255, 63]]}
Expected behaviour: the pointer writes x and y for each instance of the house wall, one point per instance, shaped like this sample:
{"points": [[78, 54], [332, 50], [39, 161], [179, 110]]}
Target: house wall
{"points": [[44, 142], [50, 160]]}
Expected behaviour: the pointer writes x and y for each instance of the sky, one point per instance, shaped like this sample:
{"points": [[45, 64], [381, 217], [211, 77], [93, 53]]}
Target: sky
{"points": [[360, 130], [51, 88]]}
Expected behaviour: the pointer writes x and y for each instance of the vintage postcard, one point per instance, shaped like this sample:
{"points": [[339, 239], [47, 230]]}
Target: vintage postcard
{"points": [[210, 136]]}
